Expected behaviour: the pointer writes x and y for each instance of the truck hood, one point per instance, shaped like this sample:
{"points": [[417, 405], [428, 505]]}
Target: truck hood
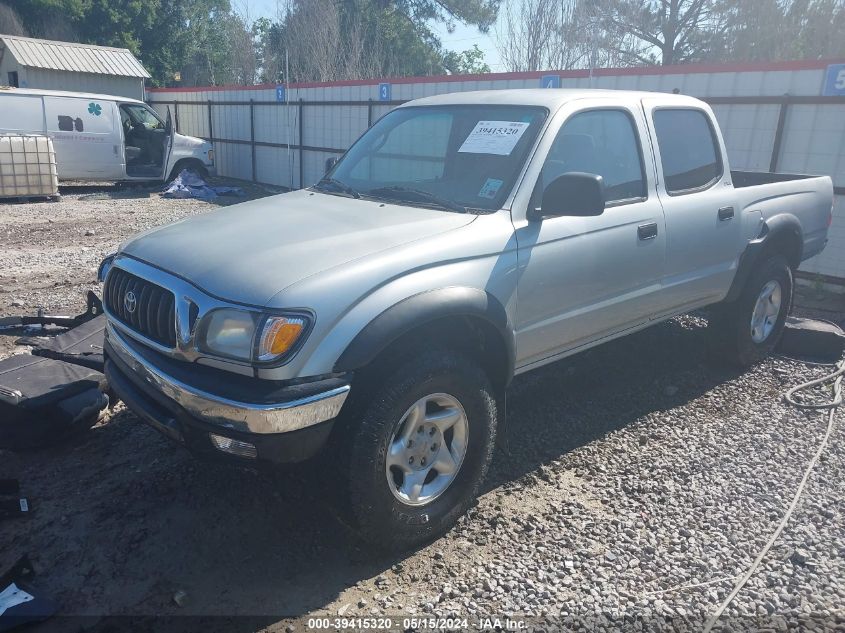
{"points": [[249, 252]]}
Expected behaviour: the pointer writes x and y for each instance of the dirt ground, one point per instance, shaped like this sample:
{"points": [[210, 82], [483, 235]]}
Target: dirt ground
{"points": [[625, 475]]}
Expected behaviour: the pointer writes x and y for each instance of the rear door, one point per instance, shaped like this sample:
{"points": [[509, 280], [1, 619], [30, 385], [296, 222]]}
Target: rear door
{"points": [[703, 227], [85, 136], [585, 278]]}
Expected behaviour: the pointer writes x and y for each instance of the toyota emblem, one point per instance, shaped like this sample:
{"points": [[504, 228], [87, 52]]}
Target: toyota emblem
{"points": [[130, 302]]}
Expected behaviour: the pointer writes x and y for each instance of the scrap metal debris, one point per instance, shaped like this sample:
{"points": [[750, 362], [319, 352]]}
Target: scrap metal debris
{"points": [[20, 603]]}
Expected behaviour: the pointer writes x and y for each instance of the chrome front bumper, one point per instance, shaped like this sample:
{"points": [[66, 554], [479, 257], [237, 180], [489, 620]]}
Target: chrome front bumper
{"points": [[246, 417]]}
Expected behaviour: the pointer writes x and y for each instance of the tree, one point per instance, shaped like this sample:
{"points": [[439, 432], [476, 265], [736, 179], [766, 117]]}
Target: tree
{"points": [[558, 34], [481, 13], [468, 62], [818, 27], [207, 42], [10, 22], [664, 31], [766, 30], [327, 40]]}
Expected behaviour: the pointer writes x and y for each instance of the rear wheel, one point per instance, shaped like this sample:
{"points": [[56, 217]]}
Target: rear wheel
{"points": [[419, 450], [747, 330]]}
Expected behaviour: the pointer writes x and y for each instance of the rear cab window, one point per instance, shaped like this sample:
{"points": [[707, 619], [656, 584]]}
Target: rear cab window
{"points": [[689, 153]]}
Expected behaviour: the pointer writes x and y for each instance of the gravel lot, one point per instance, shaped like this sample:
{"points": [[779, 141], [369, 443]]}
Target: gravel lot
{"points": [[634, 481]]}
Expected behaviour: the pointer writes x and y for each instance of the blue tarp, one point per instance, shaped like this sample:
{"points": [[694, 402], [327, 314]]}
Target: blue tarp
{"points": [[189, 184]]}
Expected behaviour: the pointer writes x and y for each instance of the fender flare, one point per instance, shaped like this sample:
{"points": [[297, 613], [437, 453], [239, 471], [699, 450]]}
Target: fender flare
{"points": [[422, 308], [783, 226]]}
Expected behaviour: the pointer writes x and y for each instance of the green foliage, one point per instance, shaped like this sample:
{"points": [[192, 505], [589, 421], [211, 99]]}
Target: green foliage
{"points": [[468, 62], [205, 42], [327, 40]]}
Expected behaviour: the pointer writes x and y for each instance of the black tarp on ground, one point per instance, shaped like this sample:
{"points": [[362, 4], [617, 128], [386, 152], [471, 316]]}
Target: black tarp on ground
{"points": [[83, 345], [43, 400], [812, 339]]}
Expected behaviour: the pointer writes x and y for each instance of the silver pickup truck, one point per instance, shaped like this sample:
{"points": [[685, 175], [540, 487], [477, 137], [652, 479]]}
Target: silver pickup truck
{"points": [[377, 317]]}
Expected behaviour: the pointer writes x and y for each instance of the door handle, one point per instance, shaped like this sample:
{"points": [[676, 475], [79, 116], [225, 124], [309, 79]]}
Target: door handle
{"points": [[647, 231], [726, 213]]}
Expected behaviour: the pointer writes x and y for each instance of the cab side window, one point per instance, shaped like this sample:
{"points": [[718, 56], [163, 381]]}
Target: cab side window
{"points": [[602, 142], [688, 151]]}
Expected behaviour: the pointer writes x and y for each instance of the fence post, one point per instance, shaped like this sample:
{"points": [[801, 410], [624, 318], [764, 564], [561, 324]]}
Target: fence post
{"points": [[773, 163], [252, 136], [176, 115], [369, 113], [210, 125], [301, 109]]}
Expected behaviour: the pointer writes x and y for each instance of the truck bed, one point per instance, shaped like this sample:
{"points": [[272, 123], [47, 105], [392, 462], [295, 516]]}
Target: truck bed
{"points": [[808, 198], [752, 178]]}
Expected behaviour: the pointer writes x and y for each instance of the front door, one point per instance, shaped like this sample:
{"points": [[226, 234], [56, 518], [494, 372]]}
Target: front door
{"points": [[85, 137], [149, 141], [584, 278]]}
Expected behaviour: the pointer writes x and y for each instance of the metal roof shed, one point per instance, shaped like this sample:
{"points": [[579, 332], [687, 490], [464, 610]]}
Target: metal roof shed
{"points": [[30, 63]]}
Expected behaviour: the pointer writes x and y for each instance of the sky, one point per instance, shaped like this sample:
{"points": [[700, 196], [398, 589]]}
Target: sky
{"points": [[461, 39]]}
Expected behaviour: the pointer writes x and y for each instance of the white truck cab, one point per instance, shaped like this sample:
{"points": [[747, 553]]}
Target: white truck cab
{"points": [[104, 137]]}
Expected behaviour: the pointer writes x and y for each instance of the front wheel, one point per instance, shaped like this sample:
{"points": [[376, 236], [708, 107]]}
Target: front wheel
{"points": [[419, 450], [747, 330]]}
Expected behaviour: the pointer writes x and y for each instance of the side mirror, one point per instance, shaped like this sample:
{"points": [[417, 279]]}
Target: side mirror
{"points": [[572, 194], [330, 163]]}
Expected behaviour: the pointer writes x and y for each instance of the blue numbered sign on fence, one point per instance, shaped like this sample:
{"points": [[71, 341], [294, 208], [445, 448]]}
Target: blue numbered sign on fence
{"points": [[280, 93], [384, 92], [834, 81], [550, 81]]}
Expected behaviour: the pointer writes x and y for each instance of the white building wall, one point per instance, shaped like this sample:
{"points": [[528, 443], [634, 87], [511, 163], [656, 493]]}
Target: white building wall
{"points": [[813, 140]]}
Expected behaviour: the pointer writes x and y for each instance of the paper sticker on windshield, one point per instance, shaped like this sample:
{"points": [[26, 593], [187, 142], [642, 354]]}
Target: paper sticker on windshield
{"points": [[494, 137], [490, 188]]}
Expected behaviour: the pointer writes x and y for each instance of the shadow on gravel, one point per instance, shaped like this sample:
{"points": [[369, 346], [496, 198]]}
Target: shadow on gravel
{"points": [[123, 520], [115, 191], [578, 400]]}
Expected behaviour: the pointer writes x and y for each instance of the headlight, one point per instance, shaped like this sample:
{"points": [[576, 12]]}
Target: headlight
{"points": [[211, 156], [250, 336], [230, 333], [105, 266]]}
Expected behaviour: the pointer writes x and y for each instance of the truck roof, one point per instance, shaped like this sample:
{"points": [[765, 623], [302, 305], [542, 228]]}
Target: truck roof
{"points": [[63, 93], [551, 98]]}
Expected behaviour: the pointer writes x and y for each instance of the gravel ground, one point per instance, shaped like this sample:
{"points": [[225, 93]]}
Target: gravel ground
{"points": [[634, 481]]}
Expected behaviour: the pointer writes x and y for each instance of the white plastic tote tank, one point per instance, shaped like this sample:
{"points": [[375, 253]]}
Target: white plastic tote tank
{"points": [[28, 167]]}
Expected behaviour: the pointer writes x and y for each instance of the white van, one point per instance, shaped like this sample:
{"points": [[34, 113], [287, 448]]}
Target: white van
{"points": [[104, 137]]}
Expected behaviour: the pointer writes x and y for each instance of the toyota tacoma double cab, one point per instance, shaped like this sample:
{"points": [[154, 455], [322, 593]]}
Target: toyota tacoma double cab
{"points": [[376, 318]]}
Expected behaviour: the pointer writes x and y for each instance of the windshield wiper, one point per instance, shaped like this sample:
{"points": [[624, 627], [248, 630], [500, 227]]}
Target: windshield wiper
{"points": [[341, 186], [420, 194]]}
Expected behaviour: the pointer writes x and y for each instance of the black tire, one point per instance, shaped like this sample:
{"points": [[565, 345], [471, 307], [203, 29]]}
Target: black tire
{"points": [[730, 331], [370, 505]]}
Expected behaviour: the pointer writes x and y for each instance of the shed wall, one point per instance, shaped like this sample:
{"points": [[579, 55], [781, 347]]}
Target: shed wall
{"points": [[132, 87]]}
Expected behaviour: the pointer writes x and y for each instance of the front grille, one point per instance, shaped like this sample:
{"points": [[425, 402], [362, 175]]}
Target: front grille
{"points": [[154, 315]]}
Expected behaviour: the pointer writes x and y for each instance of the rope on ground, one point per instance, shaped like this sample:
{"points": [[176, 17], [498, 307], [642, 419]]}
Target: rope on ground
{"points": [[835, 378]]}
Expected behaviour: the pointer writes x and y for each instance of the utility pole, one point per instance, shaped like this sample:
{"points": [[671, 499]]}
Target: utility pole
{"points": [[287, 117]]}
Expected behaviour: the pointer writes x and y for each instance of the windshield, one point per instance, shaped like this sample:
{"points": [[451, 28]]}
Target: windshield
{"points": [[455, 157]]}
